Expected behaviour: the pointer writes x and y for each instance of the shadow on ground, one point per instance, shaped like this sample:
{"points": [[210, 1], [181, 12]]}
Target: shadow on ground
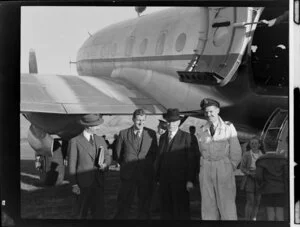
{"points": [[42, 202]]}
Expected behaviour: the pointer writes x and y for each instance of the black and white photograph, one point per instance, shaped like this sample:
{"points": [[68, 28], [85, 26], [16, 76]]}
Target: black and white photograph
{"points": [[157, 113]]}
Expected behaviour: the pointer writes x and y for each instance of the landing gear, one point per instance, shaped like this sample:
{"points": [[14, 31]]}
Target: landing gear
{"points": [[52, 169]]}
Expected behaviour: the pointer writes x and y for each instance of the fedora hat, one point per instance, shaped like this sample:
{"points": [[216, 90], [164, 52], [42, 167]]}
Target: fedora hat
{"points": [[172, 115], [91, 120]]}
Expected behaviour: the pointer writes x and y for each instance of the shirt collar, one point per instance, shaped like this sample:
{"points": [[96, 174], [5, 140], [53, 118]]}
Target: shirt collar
{"points": [[217, 124], [87, 135], [173, 133], [135, 131]]}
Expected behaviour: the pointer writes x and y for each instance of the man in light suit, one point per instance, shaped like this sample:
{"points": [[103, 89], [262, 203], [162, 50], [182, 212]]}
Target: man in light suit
{"points": [[136, 149], [175, 169], [88, 158]]}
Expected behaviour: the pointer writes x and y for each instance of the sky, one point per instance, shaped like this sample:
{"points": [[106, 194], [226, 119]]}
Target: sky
{"points": [[56, 33]]}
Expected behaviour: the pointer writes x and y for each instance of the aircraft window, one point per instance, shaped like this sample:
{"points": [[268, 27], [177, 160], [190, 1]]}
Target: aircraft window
{"points": [[160, 44], [143, 46], [129, 46], [103, 51], [114, 50], [180, 42], [221, 35]]}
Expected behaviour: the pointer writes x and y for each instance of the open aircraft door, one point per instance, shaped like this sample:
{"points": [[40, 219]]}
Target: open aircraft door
{"points": [[220, 51], [275, 133]]}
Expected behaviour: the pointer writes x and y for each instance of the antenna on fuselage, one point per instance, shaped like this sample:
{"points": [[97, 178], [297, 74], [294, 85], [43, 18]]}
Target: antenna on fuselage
{"points": [[90, 34], [71, 62], [140, 9]]}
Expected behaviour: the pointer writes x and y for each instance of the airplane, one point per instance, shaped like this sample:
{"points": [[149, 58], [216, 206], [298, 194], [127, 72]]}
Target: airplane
{"points": [[168, 59]]}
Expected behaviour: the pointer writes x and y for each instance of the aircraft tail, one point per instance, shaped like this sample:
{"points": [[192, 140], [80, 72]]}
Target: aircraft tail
{"points": [[32, 62]]}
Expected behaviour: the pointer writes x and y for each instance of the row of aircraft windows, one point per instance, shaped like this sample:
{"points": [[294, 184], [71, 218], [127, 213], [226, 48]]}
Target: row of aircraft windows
{"points": [[106, 50]]}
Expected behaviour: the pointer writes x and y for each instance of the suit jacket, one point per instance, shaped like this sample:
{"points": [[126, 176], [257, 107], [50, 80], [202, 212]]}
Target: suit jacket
{"points": [[82, 155], [136, 161], [177, 160]]}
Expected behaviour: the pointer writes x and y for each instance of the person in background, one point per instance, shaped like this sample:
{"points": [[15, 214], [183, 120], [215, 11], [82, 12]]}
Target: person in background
{"points": [[278, 20], [272, 175], [175, 169], [113, 147], [161, 128], [221, 154], [195, 147], [106, 141], [136, 150], [249, 183], [88, 158]]}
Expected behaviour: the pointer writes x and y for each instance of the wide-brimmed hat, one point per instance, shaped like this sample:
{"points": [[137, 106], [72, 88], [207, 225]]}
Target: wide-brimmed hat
{"points": [[91, 120], [172, 115], [209, 102]]}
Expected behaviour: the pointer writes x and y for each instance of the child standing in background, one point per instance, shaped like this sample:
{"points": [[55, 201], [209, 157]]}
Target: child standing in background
{"points": [[249, 182], [272, 174]]}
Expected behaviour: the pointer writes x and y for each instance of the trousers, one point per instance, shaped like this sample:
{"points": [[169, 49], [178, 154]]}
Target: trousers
{"points": [[218, 190]]}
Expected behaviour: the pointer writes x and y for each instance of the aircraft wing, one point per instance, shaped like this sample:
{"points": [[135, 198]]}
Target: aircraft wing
{"points": [[68, 94]]}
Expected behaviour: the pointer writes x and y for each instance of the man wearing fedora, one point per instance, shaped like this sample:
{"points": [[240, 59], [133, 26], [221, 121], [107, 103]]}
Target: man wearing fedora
{"points": [[136, 150], [175, 169], [221, 153], [88, 158]]}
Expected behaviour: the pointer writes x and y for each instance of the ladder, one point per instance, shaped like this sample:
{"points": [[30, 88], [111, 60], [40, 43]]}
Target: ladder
{"points": [[275, 131]]}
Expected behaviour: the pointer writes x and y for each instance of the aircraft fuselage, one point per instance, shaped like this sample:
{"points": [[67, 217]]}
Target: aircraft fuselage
{"points": [[147, 52]]}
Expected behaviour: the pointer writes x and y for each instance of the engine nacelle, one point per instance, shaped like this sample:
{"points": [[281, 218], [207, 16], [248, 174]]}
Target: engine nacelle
{"points": [[40, 141]]}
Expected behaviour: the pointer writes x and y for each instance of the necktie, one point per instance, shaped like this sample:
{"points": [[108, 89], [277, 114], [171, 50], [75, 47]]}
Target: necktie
{"points": [[212, 130], [170, 137], [91, 140], [139, 133]]}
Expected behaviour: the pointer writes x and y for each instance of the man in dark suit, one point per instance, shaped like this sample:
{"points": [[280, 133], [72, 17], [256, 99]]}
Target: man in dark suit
{"points": [[88, 158], [136, 150], [175, 169]]}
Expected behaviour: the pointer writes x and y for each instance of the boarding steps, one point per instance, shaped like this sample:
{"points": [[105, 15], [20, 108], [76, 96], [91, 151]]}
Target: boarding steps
{"points": [[275, 133]]}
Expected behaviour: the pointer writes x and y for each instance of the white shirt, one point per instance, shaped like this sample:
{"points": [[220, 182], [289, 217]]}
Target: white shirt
{"points": [[135, 132], [254, 157], [172, 134], [87, 135]]}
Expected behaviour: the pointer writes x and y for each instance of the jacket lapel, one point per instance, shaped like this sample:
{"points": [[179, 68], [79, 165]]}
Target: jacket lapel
{"points": [[130, 138], [165, 140], [146, 140], [175, 140], [87, 146]]}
